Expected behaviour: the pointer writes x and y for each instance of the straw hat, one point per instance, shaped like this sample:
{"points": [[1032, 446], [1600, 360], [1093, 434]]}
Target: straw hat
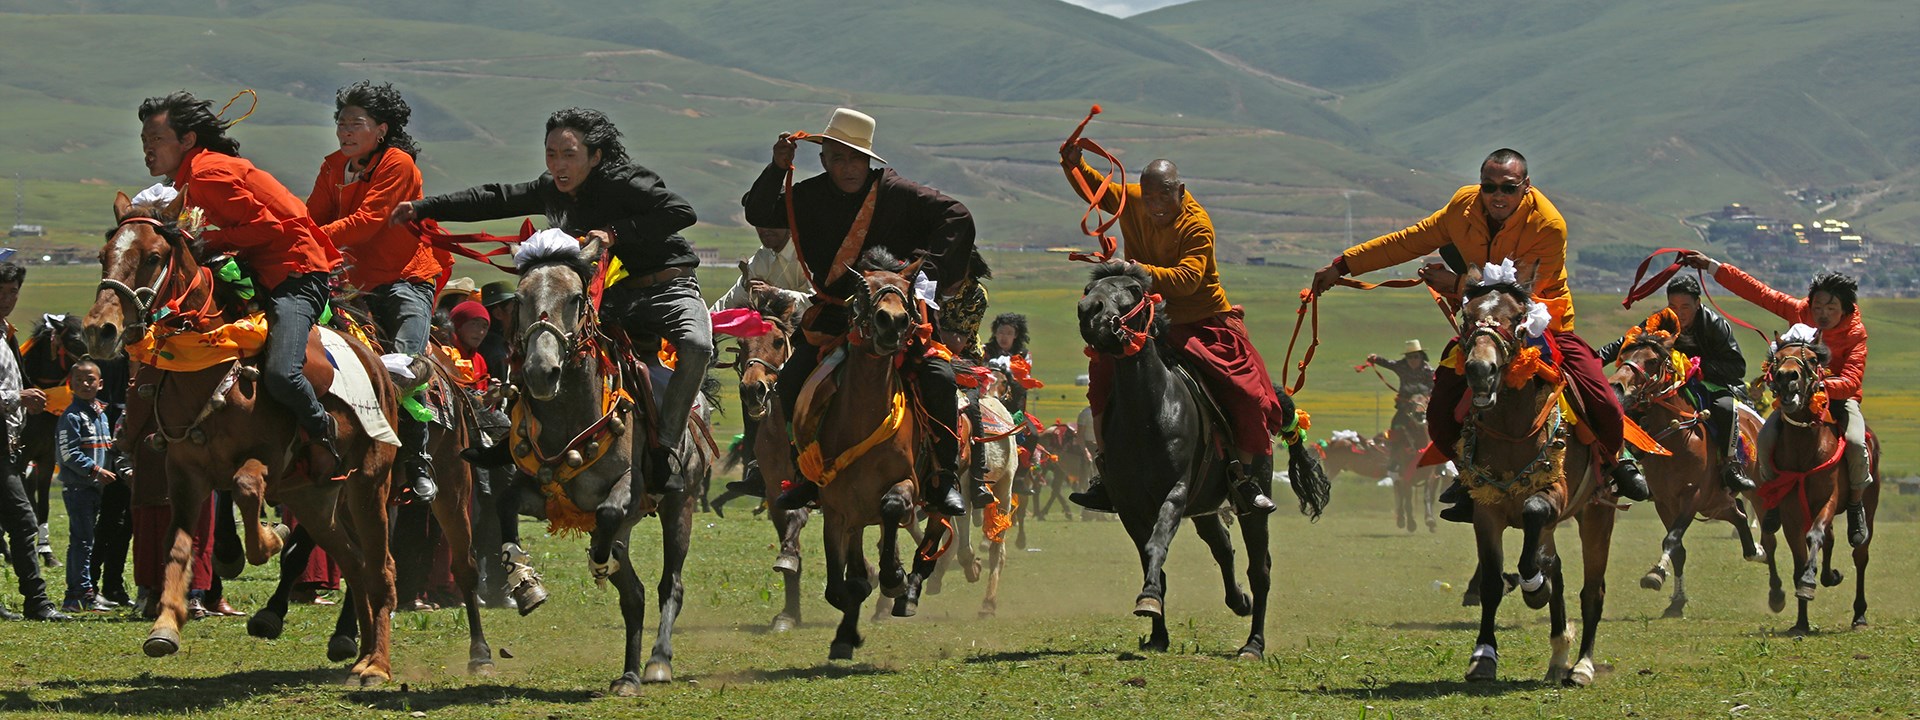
{"points": [[851, 128], [460, 286], [1413, 346]]}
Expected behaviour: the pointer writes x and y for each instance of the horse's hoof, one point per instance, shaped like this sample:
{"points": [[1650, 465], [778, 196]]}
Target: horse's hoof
{"points": [[1581, 675], [341, 648], [1240, 603], [1470, 599], [1831, 578], [1675, 611], [840, 651], [265, 625], [1432, 525], [782, 623], [1556, 675], [657, 673], [624, 686], [1482, 669], [972, 568], [986, 614], [1758, 556], [1776, 600], [1803, 592], [229, 569], [787, 564], [1799, 631], [161, 642], [372, 679], [905, 608], [1538, 598], [1653, 580], [1252, 652], [1147, 607], [480, 668], [1860, 622]]}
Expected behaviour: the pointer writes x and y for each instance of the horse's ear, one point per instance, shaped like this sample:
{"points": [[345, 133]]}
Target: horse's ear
{"points": [[1472, 276], [591, 249], [173, 208], [1533, 275], [743, 269], [913, 268], [121, 205]]}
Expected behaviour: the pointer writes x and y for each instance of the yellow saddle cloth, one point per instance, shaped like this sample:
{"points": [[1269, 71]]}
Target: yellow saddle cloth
{"points": [[194, 350]]}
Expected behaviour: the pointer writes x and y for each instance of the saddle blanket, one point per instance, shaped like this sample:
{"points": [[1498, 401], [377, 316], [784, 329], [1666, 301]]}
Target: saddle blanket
{"points": [[353, 386]]}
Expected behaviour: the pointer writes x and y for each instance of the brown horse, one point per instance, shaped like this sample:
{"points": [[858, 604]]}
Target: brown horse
{"points": [[1686, 483], [1516, 456], [1810, 483], [1346, 450], [877, 486], [1404, 446], [1002, 454], [219, 431], [758, 364]]}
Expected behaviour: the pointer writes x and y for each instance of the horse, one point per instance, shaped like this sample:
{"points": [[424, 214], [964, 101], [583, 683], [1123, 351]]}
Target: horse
{"points": [[45, 360], [868, 446], [1063, 464], [577, 419], [1810, 484], [218, 430], [1404, 445], [450, 432], [1165, 458], [1347, 451], [1516, 456], [995, 519], [1686, 483]]}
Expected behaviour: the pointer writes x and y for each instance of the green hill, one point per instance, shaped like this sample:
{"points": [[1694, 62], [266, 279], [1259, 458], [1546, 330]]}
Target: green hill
{"points": [[1676, 108]]}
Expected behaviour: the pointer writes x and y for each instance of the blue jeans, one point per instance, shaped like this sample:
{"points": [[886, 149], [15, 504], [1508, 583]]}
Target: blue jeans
{"points": [[83, 512], [292, 309], [405, 312]]}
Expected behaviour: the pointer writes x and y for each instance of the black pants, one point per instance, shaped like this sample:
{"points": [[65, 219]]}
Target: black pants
{"points": [[938, 394], [21, 525], [112, 537]]}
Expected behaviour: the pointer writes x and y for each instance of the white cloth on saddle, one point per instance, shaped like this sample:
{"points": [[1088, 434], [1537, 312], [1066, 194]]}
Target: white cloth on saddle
{"points": [[399, 364], [546, 243], [1346, 435], [158, 196], [354, 386]]}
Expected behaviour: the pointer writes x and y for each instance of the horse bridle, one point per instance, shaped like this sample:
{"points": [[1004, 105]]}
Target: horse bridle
{"points": [[1131, 340], [141, 298], [1807, 372], [1667, 371], [576, 343], [867, 303]]}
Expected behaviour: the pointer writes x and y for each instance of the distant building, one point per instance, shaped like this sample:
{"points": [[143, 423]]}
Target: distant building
{"points": [[27, 231]]}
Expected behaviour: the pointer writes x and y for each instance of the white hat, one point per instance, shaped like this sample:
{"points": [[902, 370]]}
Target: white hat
{"points": [[851, 128], [1413, 346]]}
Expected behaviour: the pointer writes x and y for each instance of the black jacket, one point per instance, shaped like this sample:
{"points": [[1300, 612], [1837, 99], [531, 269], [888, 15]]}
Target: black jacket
{"points": [[1710, 339], [909, 220], [645, 218]]}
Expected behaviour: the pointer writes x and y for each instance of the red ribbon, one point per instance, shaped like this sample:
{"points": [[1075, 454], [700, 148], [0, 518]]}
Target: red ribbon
{"points": [[1115, 182], [1640, 290], [460, 243]]}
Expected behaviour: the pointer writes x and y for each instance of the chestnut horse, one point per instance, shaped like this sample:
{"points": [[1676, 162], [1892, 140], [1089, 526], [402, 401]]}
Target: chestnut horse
{"points": [[758, 364], [1686, 483], [219, 431], [1810, 483], [1516, 455]]}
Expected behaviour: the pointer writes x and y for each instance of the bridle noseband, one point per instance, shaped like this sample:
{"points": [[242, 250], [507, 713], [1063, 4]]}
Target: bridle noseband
{"points": [[145, 300]]}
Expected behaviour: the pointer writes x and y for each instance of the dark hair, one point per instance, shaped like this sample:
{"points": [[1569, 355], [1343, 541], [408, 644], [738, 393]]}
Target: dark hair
{"points": [[385, 106], [1020, 337], [1838, 284], [85, 362], [188, 114], [596, 132], [12, 273], [1684, 285], [1507, 155]]}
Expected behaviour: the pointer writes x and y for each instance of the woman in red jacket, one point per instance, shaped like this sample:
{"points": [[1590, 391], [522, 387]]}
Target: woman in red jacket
{"points": [[1830, 308], [357, 189]]}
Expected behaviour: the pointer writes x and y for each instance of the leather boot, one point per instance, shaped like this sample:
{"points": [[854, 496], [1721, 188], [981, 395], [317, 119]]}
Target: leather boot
{"points": [[1734, 480], [1095, 497], [751, 485], [803, 493], [323, 456], [413, 446], [1246, 496], [945, 498], [1627, 480], [1857, 531]]}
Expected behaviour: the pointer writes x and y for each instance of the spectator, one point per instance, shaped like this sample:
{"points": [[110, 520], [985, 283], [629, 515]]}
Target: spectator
{"points": [[81, 440]]}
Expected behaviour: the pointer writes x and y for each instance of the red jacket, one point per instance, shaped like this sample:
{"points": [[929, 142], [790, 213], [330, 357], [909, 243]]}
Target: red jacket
{"points": [[1846, 342], [259, 222], [355, 215]]}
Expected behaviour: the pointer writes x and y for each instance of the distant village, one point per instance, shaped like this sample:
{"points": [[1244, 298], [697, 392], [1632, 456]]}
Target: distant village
{"points": [[1787, 252]]}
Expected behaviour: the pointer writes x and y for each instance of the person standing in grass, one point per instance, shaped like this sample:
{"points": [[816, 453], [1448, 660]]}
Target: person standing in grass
{"points": [[81, 440], [16, 508]]}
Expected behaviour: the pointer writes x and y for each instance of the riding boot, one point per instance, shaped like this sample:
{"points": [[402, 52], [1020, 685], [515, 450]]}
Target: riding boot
{"points": [[752, 484], [522, 582], [1246, 496], [803, 493], [1455, 493], [1627, 480], [323, 456], [1459, 503], [977, 475], [1095, 497], [1734, 480], [413, 448], [660, 477], [945, 498]]}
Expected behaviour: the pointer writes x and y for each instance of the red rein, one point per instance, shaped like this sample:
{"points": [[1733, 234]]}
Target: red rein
{"points": [[1116, 183], [1640, 290]]}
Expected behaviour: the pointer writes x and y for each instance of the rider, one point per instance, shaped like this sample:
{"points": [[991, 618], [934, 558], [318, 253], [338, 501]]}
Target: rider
{"points": [[1699, 332], [1169, 235], [772, 268], [266, 229], [854, 203], [356, 190], [1416, 378], [1503, 217], [1009, 341], [591, 188], [1830, 307]]}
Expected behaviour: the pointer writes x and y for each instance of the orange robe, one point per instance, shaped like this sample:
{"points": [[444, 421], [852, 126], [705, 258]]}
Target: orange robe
{"points": [[258, 221]]}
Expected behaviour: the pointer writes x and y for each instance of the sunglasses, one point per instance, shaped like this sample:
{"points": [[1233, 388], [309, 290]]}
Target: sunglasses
{"points": [[1500, 188]]}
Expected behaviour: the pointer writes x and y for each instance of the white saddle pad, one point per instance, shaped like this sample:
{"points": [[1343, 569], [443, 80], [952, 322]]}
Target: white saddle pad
{"points": [[353, 387]]}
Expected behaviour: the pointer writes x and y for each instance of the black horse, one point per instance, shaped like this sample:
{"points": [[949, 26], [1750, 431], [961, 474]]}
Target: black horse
{"points": [[1165, 459], [45, 360]]}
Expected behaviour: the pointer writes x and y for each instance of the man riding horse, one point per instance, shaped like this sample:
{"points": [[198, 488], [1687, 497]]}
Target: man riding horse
{"points": [[835, 217], [1169, 235], [1830, 307], [591, 188], [1503, 217], [1702, 334], [1416, 379]]}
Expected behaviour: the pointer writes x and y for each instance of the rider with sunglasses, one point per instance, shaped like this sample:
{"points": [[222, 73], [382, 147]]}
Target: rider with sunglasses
{"points": [[1503, 217]]}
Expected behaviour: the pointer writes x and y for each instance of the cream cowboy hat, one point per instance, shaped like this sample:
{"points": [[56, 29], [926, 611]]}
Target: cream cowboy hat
{"points": [[1413, 346], [462, 286], [851, 128]]}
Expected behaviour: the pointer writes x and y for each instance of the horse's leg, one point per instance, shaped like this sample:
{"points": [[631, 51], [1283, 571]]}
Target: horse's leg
{"points": [[856, 585], [1535, 513], [1484, 663], [249, 494], [1214, 534], [1830, 575], [893, 511], [189, 498], [787, 524], [270, 620], [1743, 527], [1677, 607], [1403, 502], [372, 557], [1769, 525], [1140, 529], [833, 543], [450, 507], [925, 563], [1860, 579], [1669, 510], [1432, 499], [676, 533], [344, 644], [997, 551], [1153, 592], [633, 602], [1253, 531], [1559, 631], [1596, 543]]}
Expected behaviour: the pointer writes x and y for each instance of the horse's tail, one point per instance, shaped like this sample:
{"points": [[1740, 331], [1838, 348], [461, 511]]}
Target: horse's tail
{"points": [[1309, 479]]}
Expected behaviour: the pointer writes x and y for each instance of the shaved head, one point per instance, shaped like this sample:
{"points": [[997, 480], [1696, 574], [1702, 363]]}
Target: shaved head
{"points": [[1160, 172], [1162, 192]]}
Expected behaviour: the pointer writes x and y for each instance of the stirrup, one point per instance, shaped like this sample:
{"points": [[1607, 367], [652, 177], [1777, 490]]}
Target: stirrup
{"points": [[1246, 497]]}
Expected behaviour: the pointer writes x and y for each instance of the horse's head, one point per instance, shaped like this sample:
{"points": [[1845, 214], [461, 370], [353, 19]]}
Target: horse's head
{"points": [[145, 253], [1643, 368], [884, 311], [760, 358], [1494, 320], [555, 322], [1794, 372], [1118, 312], [1417, 406], [57, 343]]}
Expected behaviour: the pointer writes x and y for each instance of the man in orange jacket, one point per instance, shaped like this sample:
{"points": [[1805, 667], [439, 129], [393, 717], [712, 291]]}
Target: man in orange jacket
{"points": [[265, 228], [1504, 217]]}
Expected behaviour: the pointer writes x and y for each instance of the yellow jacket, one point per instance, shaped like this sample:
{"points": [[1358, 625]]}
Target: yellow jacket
{"points": [[1180, 257], [1535, 238]]}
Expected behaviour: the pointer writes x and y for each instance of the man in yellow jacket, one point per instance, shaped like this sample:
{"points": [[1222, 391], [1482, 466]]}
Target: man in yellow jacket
{"points": [[1504, 217]]}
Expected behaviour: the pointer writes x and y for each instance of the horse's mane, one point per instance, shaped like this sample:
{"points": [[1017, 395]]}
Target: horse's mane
{"points": [[575, 260], [777, 307], [879, 259], [1513, 290], [1119, 269], [1647, 340], [1820, 350], [169, 229]]}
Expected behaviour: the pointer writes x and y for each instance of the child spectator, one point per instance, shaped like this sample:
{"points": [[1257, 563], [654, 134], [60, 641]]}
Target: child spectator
{"points": [[81, 439]]}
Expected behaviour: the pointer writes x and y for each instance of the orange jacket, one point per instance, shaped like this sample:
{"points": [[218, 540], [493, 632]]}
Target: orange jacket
{"points": [[355, 216], [1179, 257], [1535, 238], [1846, 342], [259, 222]]}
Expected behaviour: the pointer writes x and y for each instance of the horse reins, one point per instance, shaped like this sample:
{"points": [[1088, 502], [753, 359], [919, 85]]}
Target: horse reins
{"points": [[1308, 299], [1638, 290], [1115, 182]]}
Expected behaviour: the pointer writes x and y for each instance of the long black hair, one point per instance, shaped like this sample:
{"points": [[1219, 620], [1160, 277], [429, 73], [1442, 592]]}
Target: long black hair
{"points": [[1020, 337], [188, 114], [386, 107], [1838, 284], [596, 132]]}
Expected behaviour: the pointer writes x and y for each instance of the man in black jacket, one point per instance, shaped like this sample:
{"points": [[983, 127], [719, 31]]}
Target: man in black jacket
{"points": [[1704, 334], [908, 220], [591, 188]]}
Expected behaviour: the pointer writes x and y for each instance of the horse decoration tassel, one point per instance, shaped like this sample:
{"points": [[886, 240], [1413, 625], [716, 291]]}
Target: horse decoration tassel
{"points": [[553, 471]]}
